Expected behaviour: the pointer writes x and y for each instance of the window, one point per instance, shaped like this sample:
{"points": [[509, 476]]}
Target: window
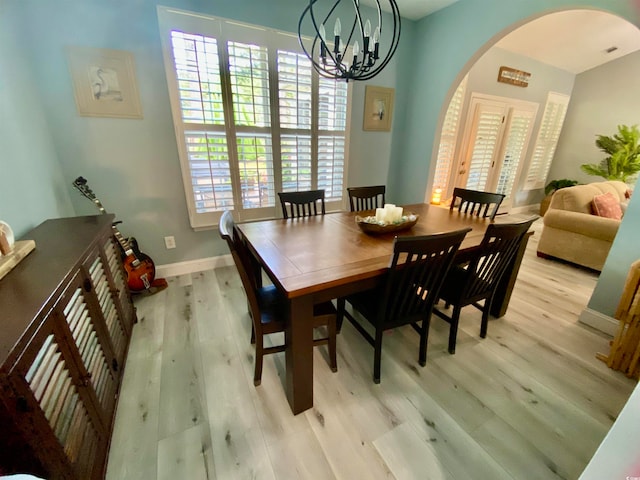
{"points": [[552, 120], [252, 118], [449, 137]]}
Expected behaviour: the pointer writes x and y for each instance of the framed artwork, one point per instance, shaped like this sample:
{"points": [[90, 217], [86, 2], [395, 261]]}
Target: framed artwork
{"points": [[104, 82], [378, 108]]}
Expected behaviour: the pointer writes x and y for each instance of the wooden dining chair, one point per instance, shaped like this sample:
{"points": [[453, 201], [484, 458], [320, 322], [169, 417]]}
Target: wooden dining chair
{"points": [[476, 279], [268, 307], [302, 204], [475, 202], [418, 267], [366, 198]]}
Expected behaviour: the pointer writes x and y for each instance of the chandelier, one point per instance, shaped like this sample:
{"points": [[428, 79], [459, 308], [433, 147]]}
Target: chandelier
{"points": [[341, 59]]}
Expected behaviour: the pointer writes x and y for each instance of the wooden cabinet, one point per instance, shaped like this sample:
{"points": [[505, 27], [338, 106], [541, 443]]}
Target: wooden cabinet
{"points": [[66, 317]]}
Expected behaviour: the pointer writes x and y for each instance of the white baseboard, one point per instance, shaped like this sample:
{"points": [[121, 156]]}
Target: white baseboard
{"points": [[193, 266], [599, 321]]}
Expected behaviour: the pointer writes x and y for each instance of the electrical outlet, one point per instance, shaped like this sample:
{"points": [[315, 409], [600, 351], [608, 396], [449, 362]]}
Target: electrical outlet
{"points": [[170, 242]]}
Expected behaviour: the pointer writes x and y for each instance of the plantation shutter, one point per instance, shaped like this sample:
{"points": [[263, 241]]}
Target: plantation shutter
{"points": [[545, 147], [197, 67], [449, 137], [294, 82], [518, 134], [332, 127], [488, 122]]}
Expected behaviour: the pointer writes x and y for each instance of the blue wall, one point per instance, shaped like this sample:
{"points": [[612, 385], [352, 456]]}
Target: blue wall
{"points": [[31, 183]]}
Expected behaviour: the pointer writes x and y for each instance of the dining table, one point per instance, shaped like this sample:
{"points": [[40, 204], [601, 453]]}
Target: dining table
{"points": [[319, 258]]}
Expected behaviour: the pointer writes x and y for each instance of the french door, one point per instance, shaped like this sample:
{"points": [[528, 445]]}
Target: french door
{"points": [[497, 134]]}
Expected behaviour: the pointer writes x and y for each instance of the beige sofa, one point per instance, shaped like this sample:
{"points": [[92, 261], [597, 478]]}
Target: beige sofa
{"points": [[572, 232]]}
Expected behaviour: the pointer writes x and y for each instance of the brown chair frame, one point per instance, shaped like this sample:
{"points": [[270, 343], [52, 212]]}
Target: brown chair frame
{"points": [[418, 267], [302, 204], [366, 198], [478, 277], [475, 202], [268, 307]]}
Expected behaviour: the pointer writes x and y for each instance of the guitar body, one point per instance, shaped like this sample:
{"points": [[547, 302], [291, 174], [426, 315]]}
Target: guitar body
{"points": [[141, 272]]}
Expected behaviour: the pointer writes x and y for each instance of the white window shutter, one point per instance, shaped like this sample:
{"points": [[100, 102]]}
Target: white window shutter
{"points": [[545, 147], [449, 137]]}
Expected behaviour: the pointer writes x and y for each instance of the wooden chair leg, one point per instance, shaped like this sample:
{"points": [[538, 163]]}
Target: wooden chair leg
{"points": [[253, 335], [424, 337], [331, 330], [485, 318], [377, 356], [453, 329], [257, 376]]}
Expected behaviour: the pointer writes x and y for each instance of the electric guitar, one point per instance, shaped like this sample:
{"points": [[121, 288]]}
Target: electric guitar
{"points": [[140, 269]]}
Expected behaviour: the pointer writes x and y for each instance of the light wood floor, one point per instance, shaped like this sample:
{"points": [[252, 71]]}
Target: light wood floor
{"points": [[528, 402]]}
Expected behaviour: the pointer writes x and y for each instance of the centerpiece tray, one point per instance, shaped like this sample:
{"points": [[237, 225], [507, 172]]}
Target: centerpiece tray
{"points": [[370, 226]]}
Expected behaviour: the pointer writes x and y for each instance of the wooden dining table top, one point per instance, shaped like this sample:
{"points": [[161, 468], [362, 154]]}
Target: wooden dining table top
{"points": [[332, 250]]}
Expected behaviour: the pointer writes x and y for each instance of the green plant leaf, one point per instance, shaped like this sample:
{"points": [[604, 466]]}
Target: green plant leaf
{"points": [[623, 160]]}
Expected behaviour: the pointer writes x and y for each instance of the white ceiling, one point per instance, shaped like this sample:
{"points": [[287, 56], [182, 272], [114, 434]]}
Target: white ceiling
{"points": [[573, 40]]}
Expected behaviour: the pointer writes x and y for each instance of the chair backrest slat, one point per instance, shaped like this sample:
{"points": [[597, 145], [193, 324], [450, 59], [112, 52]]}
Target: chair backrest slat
{"points": [[302, 204], [366, 198], [498, 248], [475, 202], [418, 267]]}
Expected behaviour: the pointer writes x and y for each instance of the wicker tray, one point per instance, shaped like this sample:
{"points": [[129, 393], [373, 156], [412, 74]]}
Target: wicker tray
{"points": [[377, 229]]}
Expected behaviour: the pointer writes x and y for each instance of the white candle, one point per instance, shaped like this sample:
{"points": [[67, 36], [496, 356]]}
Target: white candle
{"points": [[380, 215], [397, 214]]}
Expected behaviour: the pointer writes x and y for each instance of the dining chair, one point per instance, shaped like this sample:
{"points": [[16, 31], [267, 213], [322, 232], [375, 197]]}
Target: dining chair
{"points": [[302, 204], [475, 277], [475, 202], [406, 297], [366, 198], [268, 306]]}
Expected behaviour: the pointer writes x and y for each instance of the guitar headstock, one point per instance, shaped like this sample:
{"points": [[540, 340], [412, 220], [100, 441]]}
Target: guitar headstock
{"points": [[81, 184]]}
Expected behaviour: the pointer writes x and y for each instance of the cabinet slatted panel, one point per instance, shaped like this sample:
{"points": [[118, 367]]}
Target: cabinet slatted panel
{"points": [[52, 386], [108, 307], [114, 264], [81, 325]]}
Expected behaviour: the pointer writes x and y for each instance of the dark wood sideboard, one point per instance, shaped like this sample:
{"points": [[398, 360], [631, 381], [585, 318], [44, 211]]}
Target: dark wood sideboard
{"points": [[66, 317]]}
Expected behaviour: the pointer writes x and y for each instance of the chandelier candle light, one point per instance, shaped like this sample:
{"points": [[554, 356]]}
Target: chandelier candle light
{"points": [[333, 61]]}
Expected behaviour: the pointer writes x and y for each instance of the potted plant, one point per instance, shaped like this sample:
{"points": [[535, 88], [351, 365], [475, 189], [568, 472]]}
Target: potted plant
{"points": [[623, 160], [549, 190]]}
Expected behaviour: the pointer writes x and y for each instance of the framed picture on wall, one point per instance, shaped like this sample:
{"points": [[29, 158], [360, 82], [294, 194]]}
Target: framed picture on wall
{"points": [[378, 108], [104, 82]]}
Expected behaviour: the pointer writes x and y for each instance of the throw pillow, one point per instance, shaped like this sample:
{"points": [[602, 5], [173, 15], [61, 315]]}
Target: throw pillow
{"points": [[628, 193], [606, 205]]}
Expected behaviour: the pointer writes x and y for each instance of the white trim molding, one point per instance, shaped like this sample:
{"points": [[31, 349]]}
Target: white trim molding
{"points": [[193, 266], [599, 321]]}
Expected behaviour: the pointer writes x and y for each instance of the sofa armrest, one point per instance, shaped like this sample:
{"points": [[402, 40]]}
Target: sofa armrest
{"points": [[589, 225]]}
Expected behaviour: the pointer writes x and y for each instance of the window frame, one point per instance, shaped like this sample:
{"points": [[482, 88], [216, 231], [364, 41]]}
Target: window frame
{"points": [[226, 30]]}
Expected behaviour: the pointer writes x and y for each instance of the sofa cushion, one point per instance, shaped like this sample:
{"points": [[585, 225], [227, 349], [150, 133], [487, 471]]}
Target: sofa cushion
{"points": [[579, 197], [607, 205]]}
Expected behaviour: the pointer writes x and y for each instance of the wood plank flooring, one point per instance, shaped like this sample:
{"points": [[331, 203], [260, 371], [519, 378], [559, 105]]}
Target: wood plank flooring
{"points": [[530, 401]]}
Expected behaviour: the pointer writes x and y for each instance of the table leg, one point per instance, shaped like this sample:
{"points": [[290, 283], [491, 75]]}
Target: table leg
{"points": [[299, 354]]}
